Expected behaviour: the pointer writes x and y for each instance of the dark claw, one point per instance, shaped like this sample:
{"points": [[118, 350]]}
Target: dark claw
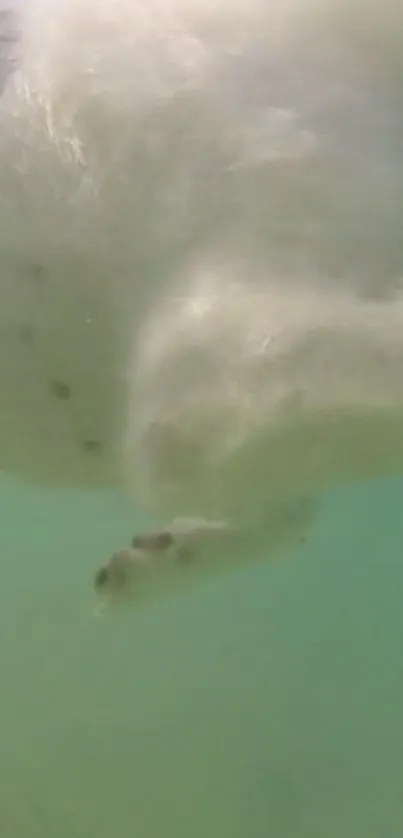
{"points": [[101, 578]]}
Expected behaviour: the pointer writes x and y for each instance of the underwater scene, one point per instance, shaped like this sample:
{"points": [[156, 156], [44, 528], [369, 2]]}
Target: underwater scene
{"points": [[201, 419]]}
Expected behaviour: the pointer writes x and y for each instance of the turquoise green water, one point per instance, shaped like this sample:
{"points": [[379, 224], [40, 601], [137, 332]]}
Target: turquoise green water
{"points": [[267, 703]]}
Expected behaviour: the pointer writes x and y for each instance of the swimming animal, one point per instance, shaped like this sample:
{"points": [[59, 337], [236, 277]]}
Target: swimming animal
{"points": [[200, 254]]}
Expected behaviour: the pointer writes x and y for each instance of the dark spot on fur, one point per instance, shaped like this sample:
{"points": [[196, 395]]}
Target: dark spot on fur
{"points": [[60, 389], [101, 578], [26, 334], [93, 446]]}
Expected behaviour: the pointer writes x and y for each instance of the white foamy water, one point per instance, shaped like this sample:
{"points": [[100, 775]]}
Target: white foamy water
{"points": [[200, 245]]}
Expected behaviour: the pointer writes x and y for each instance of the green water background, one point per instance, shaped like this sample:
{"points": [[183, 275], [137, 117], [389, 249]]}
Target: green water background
{"points": [[265, 703]]}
